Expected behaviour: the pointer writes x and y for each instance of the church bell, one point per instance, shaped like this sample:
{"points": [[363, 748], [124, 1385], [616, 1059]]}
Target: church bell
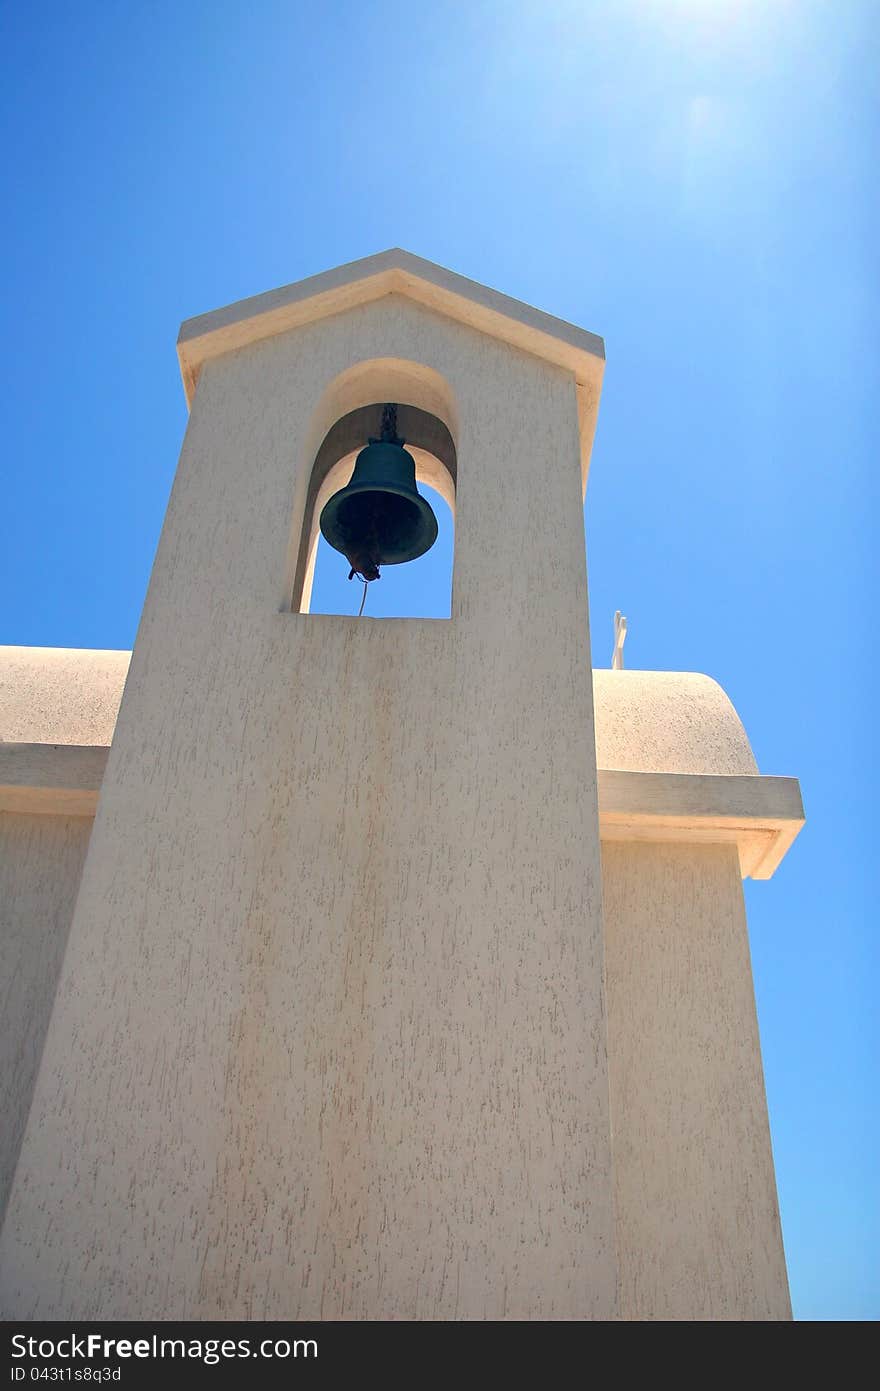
{"points": [[380, 517]]}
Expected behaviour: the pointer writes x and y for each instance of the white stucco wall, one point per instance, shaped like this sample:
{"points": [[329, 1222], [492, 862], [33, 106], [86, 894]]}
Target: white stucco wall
{"points": [[646, 721], [41, 859], [698, 1222], [342, 1050]]}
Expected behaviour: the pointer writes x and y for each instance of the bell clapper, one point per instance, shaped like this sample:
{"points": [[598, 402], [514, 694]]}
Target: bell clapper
{"points": [[366, 572]]}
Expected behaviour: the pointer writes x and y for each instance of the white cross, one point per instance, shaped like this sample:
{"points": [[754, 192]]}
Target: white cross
{"points": [[619, 640]]}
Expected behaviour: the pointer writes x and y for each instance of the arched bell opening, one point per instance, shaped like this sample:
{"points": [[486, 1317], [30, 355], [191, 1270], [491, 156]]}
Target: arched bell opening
{"points": [[417, 588]]}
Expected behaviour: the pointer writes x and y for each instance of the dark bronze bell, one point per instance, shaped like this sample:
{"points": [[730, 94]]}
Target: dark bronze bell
{"points": [[380, 517]]}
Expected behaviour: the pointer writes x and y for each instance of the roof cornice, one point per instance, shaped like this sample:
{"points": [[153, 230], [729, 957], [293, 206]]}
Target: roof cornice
{"points": [[390, 272]]}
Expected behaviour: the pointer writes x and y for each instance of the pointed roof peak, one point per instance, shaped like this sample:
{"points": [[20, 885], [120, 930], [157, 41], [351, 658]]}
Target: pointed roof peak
{"points": [[394, 271]]}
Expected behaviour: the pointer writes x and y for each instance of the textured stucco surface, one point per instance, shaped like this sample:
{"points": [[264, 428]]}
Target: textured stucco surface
{"points": [[41, 860], [646, 721], [698, 1223], [57, 695], [342, 1053], [668, 722]]}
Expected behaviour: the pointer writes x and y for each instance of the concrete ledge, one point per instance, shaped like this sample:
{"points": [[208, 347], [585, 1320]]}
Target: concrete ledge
{"points": [[760, 815], [52, 779]]}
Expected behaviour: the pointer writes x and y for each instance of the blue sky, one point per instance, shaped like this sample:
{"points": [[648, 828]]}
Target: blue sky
{"points": [[693, 179]]}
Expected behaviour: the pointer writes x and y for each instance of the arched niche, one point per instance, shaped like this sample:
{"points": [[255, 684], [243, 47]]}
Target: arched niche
{"points": [[348, 414]]}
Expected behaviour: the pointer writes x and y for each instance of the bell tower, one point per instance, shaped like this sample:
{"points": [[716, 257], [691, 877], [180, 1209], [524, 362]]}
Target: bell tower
{"points": [[408, 975], [330, 1039]]}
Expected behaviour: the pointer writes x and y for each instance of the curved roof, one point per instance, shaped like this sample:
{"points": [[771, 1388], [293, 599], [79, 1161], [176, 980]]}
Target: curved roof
{"points": [[667, 722], [646, 721]]}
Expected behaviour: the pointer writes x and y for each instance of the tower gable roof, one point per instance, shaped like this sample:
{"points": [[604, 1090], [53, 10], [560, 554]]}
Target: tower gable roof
{"points": [[390, 272]]}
